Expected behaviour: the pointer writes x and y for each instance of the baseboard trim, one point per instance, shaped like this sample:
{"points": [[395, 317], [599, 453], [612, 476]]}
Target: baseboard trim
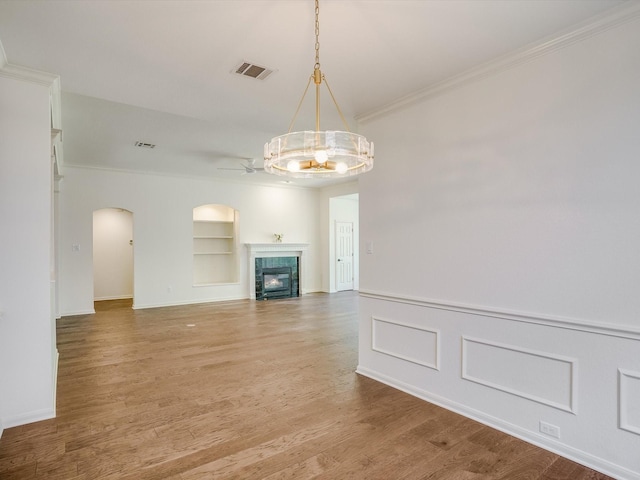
{"points": [[56, 359], [621, 331], [114, 297], [556, 447], [29, 417], [188, 302], [79, 312]]}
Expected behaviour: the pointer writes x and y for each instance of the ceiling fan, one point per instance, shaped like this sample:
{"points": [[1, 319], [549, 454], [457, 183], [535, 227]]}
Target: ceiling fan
{"points": [[248, 168]]}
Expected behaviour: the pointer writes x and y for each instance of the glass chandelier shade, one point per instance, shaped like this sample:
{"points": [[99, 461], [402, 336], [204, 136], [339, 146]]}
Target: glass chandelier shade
{"points": [[312, 154], [316, 153]]}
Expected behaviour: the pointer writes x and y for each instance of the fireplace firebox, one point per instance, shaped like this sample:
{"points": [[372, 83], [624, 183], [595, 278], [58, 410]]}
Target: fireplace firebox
{"points": [[276, 282], [277, 277]]}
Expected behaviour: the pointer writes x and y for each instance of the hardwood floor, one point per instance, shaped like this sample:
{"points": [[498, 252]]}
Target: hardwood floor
{"points": [[247, 390]]}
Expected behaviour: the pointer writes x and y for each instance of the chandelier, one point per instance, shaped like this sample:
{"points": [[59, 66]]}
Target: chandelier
{"points": [[315, 153]]}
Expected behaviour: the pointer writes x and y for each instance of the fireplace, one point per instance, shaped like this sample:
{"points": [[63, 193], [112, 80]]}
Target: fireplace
{"points": [[276, 255], [276, 277]]}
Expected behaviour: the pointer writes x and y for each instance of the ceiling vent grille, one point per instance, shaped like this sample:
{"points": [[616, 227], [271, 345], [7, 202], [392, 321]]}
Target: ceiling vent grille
{"points": [[247, 69], [145, 145]]}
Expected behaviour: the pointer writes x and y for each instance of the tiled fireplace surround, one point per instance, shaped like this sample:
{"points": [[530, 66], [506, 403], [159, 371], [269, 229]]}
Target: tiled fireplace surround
{"points": [[269, 252]]}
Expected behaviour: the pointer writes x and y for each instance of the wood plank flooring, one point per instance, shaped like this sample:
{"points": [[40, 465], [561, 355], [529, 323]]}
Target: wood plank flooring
{"points": [[247, 390]]}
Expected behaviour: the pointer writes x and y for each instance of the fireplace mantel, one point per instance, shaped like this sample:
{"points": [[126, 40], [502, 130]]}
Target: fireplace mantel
{"points": [[276, 247], [259, 250]]}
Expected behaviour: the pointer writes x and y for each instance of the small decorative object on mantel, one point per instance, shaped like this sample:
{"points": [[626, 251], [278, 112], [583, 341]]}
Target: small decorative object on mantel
{"points": [[277, 237]]}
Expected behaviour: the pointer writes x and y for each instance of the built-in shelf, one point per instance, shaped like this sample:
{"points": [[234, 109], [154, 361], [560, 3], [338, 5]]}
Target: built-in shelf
{"points": [[215, 259]]}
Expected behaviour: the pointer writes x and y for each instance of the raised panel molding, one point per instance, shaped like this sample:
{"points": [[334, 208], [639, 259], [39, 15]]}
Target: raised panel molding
{"points": [[407, 342], [537, 376], [629, 400], [621, 331]]}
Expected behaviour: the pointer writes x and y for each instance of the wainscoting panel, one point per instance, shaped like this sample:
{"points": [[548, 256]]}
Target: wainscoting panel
{"points": [[629, 395], [513, 371], [537, 376], [406, 342]]}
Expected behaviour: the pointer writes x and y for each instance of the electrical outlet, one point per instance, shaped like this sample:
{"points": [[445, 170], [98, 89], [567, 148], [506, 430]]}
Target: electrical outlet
{"points": [[549, 429]]}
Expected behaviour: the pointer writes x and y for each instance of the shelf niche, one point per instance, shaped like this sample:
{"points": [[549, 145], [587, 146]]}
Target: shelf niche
{"points": [[215, 245]]}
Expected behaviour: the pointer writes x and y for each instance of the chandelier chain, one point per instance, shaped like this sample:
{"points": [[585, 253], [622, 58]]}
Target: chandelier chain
{"points": [[331, 153], [317, 65]]}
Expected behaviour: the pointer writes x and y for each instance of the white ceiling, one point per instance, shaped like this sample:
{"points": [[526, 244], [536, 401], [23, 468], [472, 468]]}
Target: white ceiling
{"points": [[161, 71]]}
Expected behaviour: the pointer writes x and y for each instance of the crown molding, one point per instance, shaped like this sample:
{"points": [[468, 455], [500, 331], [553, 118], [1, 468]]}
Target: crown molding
{"points": [[27, 74], [18, 72], [626, 12]]}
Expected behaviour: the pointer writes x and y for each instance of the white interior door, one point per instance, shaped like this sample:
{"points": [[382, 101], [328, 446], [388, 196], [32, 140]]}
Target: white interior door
{"points": [[344, 256]]}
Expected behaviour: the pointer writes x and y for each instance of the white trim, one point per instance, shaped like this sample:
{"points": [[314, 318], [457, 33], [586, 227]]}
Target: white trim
{"points": [[56, 360], [535, 438], [623, 422], [3, 63], [612, 18], [613, 330], [188, 302], [56, 105], [28, 74], [436, 363], [30, 417], [1, 427], [80, 312], [258, 248], [112, 297], [571, 407]]}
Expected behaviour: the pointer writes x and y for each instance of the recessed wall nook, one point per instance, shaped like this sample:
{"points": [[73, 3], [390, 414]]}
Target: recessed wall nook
{"points": [[215, 259]]}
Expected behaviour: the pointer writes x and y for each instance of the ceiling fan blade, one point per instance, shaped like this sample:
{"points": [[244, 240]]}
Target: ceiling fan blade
{"points": [[247, 168]]}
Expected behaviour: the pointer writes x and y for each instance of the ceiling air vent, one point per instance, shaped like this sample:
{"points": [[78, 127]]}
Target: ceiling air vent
{"points": [[247, 69], [145, 145]]}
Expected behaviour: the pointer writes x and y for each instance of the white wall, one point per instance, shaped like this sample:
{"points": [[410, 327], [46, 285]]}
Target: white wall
{"points": [[26, 355], [163, 231], [112, 254], [508, 210]]}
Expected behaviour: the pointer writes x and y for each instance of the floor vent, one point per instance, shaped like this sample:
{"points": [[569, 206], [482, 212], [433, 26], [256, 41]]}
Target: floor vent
{"points": [[247, 69]]}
